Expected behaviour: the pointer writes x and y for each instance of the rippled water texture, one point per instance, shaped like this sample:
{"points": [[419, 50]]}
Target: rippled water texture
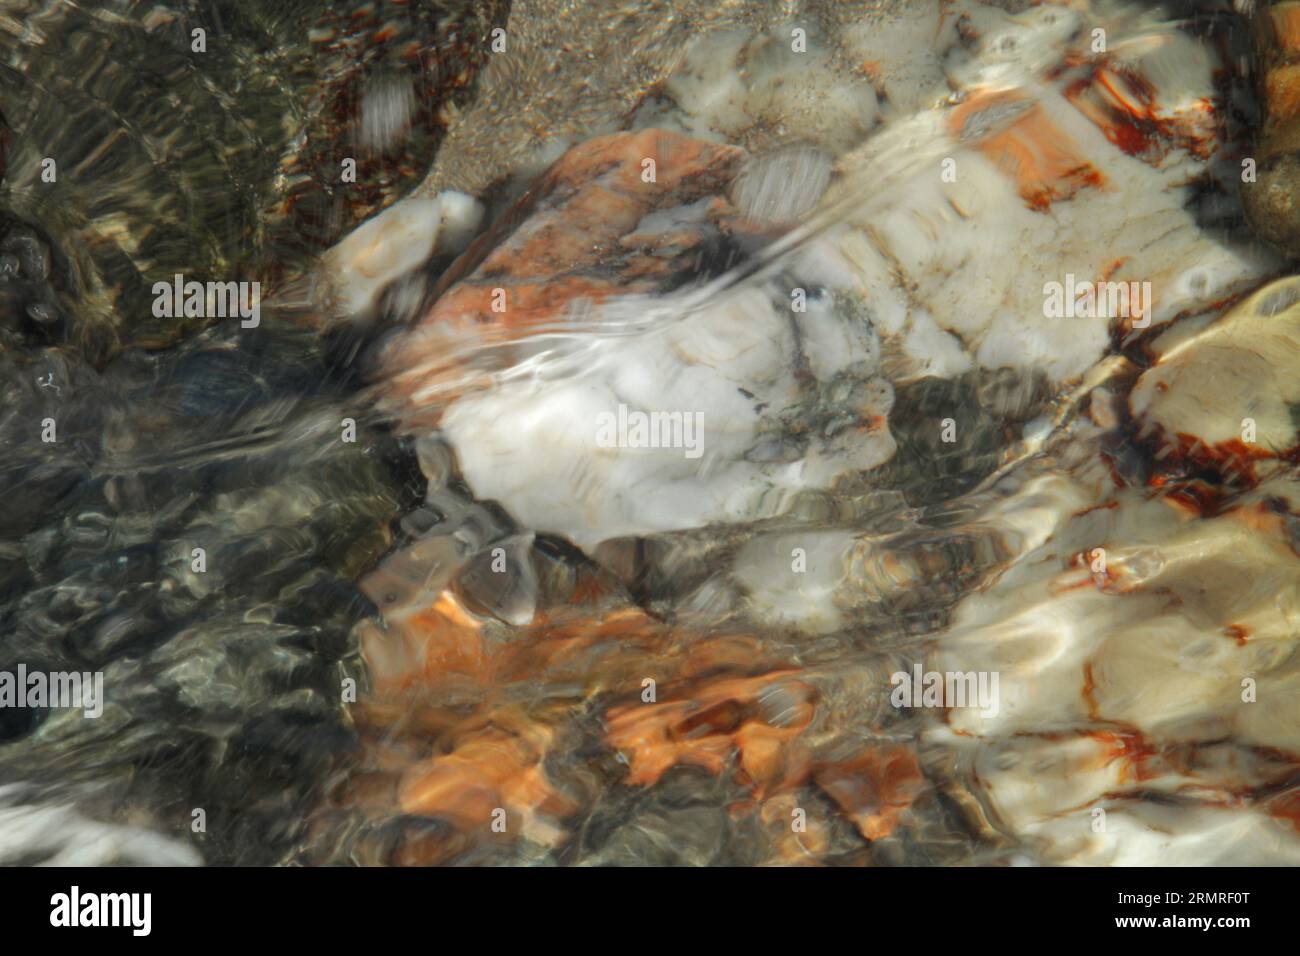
{"points": [[723, 432]]}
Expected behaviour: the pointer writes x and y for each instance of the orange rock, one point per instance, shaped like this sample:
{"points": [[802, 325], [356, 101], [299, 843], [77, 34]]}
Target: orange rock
{"points": [[490, 769], [719, 719], [794, 847], [725, 718], [874, 788], [580, 233], [441, 738], [1024, 142], [425, 647]]}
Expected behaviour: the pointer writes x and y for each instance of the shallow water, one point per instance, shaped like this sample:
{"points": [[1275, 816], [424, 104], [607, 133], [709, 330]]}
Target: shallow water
{"points": [[725, 452]]}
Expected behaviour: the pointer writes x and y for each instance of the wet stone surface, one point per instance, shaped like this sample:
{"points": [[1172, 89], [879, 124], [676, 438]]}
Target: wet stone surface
{"points": [[398, 576]]}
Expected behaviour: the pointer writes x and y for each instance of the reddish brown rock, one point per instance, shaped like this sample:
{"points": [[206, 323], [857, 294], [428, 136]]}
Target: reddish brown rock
{"points": [[602, 221]]}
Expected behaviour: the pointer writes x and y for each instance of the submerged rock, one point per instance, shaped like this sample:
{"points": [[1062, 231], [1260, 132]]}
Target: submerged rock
{"points": [[959, 464], [846, 432], [635, 406]]}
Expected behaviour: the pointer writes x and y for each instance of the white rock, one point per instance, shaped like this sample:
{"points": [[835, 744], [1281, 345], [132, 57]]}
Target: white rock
{"points": [[390, 245]]}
